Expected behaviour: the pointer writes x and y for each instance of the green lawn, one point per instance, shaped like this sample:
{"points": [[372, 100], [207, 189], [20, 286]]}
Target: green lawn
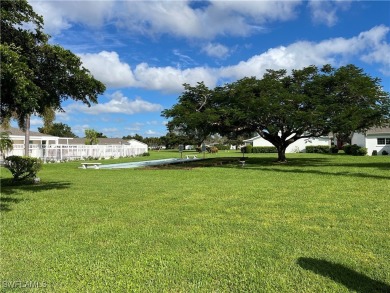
{"points": [[317, 224]]}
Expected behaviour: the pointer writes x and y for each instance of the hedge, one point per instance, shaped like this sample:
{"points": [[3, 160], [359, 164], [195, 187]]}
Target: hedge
{"points": [[222, 147], [264, 149], [320, 149], [259, 149]]}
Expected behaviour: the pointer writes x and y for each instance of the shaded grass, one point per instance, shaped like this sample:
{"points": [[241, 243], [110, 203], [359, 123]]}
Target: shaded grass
{"points": [[202, 228]]}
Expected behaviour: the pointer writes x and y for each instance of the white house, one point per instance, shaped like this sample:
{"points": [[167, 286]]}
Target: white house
{"points": [[296, 147], [374, 139], [53, 148], [37, 141], [138, 144]]}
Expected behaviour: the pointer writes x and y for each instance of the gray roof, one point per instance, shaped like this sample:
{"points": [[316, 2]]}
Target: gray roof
{"points": [[101, 141], [378, 130], [19, 132]]}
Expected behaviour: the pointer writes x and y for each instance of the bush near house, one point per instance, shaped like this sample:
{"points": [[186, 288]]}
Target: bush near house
{"points": [[259, 149], [361, 152], [222, 147], [319, 149], [212, 149], [354, 150], [247, 149], [264, 150], [334, 149], [23, 168], [384, 153]]}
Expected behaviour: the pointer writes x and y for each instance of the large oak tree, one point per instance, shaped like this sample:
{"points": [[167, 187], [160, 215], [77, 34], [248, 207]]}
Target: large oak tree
{"points": [[283, 108]]}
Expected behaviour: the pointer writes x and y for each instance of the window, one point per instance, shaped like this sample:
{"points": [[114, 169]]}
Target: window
{"points": [[382, 140]]}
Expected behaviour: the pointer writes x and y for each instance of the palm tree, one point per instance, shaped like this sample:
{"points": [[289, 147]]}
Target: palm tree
{"points": [[6, 143]]}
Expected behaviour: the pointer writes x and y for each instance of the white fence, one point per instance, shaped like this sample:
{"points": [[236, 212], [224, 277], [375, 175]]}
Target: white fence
{"points": [[61, 152]]}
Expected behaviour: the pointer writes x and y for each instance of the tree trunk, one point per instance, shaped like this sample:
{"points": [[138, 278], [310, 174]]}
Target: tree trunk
{"points": [[27, 137], [282, 154]]}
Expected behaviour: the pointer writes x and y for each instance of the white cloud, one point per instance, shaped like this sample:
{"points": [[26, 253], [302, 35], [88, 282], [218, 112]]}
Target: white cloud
{"points": [[135, 127], [79, 130], [169, 79], [110, 130], [184, 59], [178, 18], [218, 18], [106, 67], [370, 46], [216, 50], [61, 15], [118, 104], [380, 55], [326, 11], [36, 121], [151, 132]]}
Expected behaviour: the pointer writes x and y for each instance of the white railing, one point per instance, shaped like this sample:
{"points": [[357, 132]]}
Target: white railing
{"points": [[61, 152]]}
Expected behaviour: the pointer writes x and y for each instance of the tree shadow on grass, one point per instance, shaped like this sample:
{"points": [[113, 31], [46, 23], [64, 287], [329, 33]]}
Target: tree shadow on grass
{"points": [[267, 164], [318, 172], [341, 274], [6, 201], [326, 161], [9, 189]]}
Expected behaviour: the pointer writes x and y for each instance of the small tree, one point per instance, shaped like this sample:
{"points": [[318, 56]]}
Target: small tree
{"points": [[6, 144], [91, 136]]}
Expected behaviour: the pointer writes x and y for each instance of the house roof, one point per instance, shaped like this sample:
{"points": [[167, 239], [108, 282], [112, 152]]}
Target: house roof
{"points": [[136, 141], [101, 141], [18, 132], [378, 130], [252, 139]]}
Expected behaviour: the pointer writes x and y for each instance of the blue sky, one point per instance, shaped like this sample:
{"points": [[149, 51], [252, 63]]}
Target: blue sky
{"points": [[145, 50]]}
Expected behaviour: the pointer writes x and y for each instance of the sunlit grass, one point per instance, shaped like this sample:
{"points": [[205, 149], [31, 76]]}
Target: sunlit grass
{"points": [[265, 227]]}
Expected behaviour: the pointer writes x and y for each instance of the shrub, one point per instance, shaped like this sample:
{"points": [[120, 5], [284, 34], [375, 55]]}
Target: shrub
{"points": [[320, 149], [385, 153], [347, 149], [212, 149], [146, 154], [355, 150], [374, 153], [247, 149], [264, 149], [360, 152], [23, 168], [222, 147], [334, 149]]}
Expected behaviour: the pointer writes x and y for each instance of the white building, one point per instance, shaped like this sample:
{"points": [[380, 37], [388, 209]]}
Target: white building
{"points": [[53, 148], [374, 139], [296, 147]]}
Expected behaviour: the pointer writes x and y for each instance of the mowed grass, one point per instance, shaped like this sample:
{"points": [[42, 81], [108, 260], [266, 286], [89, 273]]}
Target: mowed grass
{"points": [[317, 224]]}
